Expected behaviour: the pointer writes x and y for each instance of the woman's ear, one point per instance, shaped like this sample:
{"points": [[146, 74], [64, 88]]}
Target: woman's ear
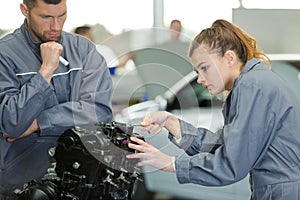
{"points": [[24, 9], [230, 57]]}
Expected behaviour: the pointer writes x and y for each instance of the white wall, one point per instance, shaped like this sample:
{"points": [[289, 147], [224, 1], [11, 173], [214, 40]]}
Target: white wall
{"points": [[276, 30]]}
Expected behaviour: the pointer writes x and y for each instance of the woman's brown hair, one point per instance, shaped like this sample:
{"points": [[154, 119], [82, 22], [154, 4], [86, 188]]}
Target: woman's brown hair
{"points": [[223, 36]]}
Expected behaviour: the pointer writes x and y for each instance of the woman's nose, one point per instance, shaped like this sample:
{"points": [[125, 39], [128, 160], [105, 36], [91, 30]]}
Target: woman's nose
{"points": [[200, 79]]}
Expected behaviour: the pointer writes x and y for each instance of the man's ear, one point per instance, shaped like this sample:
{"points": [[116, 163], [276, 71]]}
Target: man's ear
{"points": [[230, 57], [24, 9]]}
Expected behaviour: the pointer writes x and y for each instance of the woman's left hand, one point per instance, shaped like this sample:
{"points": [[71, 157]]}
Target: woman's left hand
{"points": [[150, 155]]}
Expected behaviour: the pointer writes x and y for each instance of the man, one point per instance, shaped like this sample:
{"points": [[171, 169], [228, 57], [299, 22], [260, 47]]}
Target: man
{"points": [[176, 43], [175, 29], [41, 97]]}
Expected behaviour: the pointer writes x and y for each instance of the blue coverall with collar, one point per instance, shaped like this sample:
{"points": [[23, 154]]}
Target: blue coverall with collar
{"points": [[260, 136], [79, 95]]}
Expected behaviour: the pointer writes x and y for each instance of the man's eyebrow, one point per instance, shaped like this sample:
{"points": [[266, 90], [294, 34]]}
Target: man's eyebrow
{"points": [[63, 14], [46, 15]]}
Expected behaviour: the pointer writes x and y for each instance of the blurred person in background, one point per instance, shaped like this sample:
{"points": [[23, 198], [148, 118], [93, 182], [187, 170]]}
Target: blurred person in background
{"points": [[175, 29], [175, 44], [111, 58]]}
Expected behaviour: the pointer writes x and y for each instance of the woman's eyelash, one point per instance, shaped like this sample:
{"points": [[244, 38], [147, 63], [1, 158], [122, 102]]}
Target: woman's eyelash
{"points": [[203, 68]]}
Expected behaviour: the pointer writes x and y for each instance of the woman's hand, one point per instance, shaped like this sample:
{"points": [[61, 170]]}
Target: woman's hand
{"points": [[154, 122], [150, 155]]}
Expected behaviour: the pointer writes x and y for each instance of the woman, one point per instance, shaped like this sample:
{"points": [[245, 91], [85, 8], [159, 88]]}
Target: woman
{"points": [[261, 132]]}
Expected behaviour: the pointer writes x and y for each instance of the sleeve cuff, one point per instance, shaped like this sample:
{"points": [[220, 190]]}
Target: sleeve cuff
{"points": [[182, 169]]}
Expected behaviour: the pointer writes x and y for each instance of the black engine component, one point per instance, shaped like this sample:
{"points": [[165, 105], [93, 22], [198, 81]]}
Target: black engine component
{"points": [[89, 164]]}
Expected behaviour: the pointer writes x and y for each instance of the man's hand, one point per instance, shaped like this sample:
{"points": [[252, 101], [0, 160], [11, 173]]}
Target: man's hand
{"points": [[50, 52], [32, 128]]}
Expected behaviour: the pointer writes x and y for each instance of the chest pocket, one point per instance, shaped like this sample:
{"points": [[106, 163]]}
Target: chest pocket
{"points": [[62, 88]]}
